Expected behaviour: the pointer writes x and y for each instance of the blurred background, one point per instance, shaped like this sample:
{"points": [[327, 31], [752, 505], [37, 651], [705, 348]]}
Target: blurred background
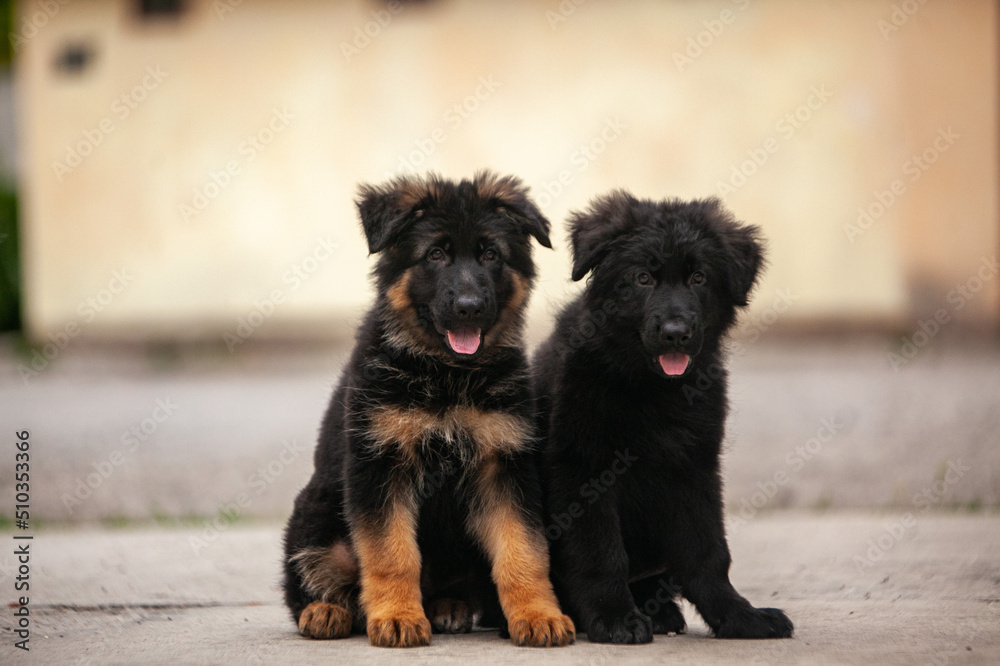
{"points": [[183, 267]]}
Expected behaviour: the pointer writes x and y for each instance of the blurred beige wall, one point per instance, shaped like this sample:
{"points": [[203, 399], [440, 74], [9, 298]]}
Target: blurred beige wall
{"points": [[199, 170]]}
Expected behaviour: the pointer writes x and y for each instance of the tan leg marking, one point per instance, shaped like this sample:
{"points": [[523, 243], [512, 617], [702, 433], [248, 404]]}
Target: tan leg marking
{"points": [[520, 560], [390, 579], [324, 620], [327, 573]]}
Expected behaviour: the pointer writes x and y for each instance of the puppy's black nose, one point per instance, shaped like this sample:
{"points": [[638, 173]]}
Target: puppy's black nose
{"points": [[469, 306], [676, 332]]}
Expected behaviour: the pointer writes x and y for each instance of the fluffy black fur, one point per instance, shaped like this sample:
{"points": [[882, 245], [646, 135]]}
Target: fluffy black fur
{"points": [[452, 256], [631, 463]]}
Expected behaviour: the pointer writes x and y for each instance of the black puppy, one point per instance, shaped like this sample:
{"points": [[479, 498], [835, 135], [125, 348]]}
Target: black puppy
{"points": [[631, 460], [424, 487]]}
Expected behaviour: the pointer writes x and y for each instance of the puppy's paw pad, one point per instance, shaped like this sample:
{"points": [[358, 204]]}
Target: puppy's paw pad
{"points": [[632, 629], [323, 620], [450, 616], [541, 630], [402, 631], [756, 623]]}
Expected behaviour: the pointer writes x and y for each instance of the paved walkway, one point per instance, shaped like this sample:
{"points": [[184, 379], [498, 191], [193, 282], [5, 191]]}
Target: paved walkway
{"points": [[135, 439], [124, 434], [862, 588]]}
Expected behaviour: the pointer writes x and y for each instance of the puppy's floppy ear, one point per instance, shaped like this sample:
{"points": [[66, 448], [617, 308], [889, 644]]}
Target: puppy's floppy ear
{"points": [[511, 195], [387, 209], [534, 223], [593, 230], [744, 246]]}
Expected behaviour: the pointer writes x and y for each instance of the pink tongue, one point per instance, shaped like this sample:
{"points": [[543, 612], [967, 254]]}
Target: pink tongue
{"points": [[464, 340], [674, 364]]}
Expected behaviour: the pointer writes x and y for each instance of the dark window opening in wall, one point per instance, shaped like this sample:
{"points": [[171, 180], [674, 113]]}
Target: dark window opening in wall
{"points": [[151, 10], [74, 57]]}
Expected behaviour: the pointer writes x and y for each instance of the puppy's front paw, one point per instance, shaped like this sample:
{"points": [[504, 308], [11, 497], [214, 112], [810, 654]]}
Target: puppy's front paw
{"points": [[541, 630], [630, 629], [450, 616], [323, 620], [756, 623], [410, 630]]}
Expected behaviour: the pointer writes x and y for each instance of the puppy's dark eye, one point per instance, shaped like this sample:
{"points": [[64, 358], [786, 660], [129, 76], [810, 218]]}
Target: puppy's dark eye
{"points": [[696, 278], [436, 254], [644, 279], [490, 254]]}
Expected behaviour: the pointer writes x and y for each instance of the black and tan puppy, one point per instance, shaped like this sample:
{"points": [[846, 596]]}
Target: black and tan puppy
{"points": [[631, 460], [424, 497]]}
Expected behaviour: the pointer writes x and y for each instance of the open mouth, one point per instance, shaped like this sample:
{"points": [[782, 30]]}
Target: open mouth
{"points": [[674, 364], [465, 340]]}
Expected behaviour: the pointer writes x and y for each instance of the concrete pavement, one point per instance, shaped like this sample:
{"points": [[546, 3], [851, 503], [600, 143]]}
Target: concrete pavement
{"points": [[887, 588], [134, 433], [862, 499]]}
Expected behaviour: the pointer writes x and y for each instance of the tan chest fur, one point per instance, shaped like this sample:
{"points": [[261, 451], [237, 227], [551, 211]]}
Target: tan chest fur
{"points": [[491, 432]]}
